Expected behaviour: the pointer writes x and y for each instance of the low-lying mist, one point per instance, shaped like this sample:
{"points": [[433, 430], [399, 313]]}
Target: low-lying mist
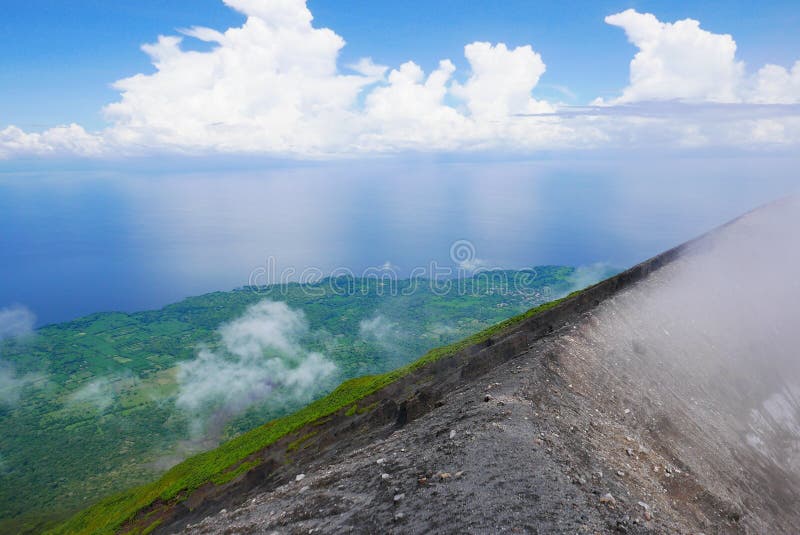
{"points": [[261, 355]]}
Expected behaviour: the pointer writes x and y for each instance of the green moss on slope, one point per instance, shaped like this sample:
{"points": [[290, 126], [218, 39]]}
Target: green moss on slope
{"points": [[216, 466]]}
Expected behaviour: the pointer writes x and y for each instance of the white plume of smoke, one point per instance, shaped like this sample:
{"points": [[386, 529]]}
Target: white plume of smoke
{"points": [[260, 352]]}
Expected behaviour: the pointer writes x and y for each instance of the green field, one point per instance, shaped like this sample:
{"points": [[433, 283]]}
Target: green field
{"points": [[103, 407]]}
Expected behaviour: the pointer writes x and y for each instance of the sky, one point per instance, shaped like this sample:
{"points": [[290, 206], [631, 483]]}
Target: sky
{"points": [[339, 78]]}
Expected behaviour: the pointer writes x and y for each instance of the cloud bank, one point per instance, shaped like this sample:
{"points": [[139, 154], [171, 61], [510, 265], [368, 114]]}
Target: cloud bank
{"points": [[260, 355], [274, 86]]}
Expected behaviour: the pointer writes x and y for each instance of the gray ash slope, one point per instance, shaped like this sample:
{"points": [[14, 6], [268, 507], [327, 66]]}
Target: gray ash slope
{"points": [[665, 400]]}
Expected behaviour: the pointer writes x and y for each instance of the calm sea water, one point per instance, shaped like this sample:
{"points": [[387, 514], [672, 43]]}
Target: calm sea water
{"points": [[82, 242]]}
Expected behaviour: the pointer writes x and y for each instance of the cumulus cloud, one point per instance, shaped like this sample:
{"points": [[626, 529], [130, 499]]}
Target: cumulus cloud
{"points": [[682, 61], [777, 85], [274, 86], [501, 81], [70, 139], [260, 355], [16, 321], [678, 60], [271, 84]]}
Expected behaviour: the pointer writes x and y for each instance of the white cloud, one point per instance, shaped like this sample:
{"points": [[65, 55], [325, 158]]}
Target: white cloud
{"points": [[12, 384], [269, 85], [99, 393], [682, 61], [70, 139], [261, 352], [678, 60], [777, 85], [379, 329], [501, 81], [274, 86], [16, 321]]}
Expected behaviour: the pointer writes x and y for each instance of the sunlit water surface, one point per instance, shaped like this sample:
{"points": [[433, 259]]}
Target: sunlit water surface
{"points": [[81, 242]]}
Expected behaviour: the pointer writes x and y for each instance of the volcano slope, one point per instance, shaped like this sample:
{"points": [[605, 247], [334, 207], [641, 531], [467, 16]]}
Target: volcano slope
{"points": [[663, 400]]}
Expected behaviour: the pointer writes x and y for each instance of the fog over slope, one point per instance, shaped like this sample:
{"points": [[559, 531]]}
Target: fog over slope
{"points": [[705, 355]]}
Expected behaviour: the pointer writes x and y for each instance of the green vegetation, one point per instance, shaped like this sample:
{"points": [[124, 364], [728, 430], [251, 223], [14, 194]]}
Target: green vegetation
{"points": [[98, 412], [109, 515]]}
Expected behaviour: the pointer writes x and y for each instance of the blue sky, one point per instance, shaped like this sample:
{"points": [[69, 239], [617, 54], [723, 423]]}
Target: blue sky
{"points": [[59, 58]]}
